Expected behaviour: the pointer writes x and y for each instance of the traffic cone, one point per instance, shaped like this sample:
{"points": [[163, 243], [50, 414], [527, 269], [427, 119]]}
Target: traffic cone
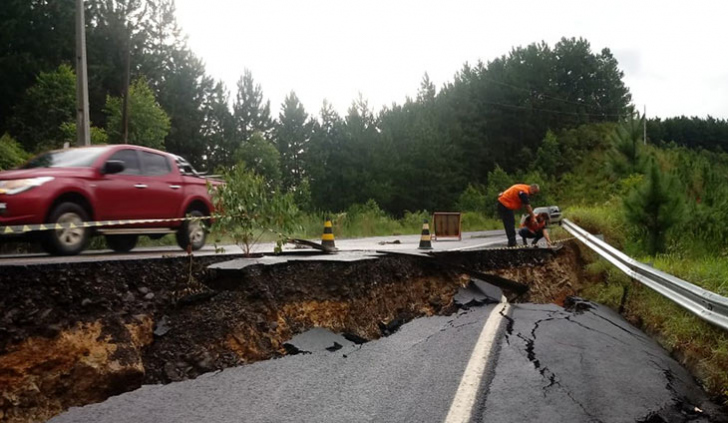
{"points": [[426, 238], [327, 239]]}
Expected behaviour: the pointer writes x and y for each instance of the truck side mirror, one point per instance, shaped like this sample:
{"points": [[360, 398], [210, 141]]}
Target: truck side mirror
{"points": [[112, 166]]}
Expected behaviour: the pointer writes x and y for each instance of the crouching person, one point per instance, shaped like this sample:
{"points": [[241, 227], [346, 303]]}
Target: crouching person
{"points": [[536, 229]]}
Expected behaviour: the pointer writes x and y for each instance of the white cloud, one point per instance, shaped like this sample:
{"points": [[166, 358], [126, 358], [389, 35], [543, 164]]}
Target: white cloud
{"points": [[671, 52]]}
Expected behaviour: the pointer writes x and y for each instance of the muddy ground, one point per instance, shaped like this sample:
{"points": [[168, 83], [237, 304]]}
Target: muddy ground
{"points": [[77, 334]]}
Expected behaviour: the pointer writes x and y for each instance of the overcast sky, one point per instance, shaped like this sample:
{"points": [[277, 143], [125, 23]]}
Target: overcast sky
{"points": [[673, 53]]}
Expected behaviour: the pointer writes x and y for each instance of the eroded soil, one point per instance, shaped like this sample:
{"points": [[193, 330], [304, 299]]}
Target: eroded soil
{"points": [[77, 334]]}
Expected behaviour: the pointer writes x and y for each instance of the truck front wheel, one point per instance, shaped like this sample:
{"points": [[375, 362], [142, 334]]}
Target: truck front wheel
{"points": [[72, 238], [192, 233]]}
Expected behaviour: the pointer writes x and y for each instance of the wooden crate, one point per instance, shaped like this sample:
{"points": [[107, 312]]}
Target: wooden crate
{"points": [[447, 225]]}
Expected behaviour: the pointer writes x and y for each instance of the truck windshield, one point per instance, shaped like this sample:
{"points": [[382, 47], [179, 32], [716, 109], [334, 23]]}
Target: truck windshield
{"points": [[76, 157]]}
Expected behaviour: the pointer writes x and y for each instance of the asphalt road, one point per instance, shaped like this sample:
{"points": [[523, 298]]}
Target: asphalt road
{"points": [[405, 242], [494, 363]]}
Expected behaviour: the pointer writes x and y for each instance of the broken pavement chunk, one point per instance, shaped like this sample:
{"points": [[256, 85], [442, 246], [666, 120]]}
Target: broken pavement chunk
{"points": [[577, 305], [354, 338], [334, 347], [162, 327]]}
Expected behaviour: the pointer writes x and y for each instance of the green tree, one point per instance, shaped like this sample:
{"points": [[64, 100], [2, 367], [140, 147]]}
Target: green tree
{"points": [[292, 133], [160, 54], [325, 164], [148, 123], [498, 181], [251, 114], [127, 22], [260, 156], [473, 199], [219, 129], [36, 36], [626, 156], [654, 207], [48, 104], [98, 135], [182, 95], [251, 208], [548, 156], [11, 153]]}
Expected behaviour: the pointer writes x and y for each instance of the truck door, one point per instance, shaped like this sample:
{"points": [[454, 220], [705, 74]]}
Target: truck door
{"points": [[164, 191], [117, 195]]}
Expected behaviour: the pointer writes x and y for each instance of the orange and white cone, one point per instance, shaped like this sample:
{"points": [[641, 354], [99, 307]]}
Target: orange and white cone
{"points": [[327, 239], [426, 238]]}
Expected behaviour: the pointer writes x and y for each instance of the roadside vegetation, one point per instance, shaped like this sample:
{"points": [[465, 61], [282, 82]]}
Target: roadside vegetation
{"points": [[667, 211]]}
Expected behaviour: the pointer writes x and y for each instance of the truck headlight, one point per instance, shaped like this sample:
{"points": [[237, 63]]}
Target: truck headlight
{"points": [[16, 186]]}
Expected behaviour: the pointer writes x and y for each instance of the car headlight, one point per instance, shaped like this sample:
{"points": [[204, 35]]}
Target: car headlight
{"points": [[16, 186]]}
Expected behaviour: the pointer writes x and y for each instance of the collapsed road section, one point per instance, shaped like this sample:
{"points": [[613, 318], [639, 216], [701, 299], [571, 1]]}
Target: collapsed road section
{"points": [[77, 334], [582, 363]]}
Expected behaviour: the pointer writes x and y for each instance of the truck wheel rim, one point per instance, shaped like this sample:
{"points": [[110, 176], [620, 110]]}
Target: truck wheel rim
{"points": [[70, 237], [196, 232]]}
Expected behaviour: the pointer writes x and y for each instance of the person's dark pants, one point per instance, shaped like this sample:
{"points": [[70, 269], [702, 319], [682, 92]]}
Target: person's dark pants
{"points": [[509, 222], [525, 233]]}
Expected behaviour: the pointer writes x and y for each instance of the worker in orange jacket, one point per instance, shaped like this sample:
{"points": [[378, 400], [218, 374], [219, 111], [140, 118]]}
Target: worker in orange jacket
{"points": [[535, 229], [512, 199]]}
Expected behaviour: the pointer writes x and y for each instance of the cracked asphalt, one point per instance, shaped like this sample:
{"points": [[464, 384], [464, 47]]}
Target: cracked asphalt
{"points": [[550, 365], [587, 366]]}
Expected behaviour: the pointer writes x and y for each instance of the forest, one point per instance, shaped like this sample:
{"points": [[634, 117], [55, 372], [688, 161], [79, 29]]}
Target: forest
{"points": [[418, 155]]}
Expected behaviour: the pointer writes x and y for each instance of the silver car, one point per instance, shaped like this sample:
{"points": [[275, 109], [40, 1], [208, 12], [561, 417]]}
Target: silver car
{"points": [[554, 213]]}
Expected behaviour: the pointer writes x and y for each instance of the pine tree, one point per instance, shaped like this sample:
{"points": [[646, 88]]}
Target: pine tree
{"points": [[250, 112], [324, 165], [655, 207], [626, 157], [548, 156], [292, 133], [219, 128]]}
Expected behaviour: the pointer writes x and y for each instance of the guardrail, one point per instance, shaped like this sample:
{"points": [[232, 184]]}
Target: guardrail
{"points": [[705, 304]]}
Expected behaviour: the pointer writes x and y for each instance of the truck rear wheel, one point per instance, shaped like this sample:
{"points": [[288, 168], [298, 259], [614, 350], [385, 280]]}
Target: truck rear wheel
{"points": [[192, 233], [73, 237]]}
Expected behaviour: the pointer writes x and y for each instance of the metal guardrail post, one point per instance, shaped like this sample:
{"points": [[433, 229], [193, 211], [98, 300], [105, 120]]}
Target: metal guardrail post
{"points": [[705, 304]]}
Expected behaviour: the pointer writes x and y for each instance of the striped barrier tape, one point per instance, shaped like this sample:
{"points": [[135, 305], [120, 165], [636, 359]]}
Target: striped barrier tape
{"points": [[530, 247], [21, 229]]}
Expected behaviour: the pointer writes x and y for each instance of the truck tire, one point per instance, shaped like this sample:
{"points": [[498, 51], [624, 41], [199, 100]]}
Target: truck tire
{"points": [[122, 243], [192, 233], [67, 241]]}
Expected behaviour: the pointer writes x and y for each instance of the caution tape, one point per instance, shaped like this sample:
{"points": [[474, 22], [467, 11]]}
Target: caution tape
{"points": [[529, 247], [22, 229]]}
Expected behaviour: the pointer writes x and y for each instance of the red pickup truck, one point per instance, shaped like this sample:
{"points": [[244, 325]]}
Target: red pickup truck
{"points": [[111, 182]]}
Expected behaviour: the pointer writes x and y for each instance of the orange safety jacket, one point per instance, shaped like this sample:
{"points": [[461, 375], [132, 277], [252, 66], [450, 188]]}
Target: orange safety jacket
{"points": [[509, 197], [533, 225]]}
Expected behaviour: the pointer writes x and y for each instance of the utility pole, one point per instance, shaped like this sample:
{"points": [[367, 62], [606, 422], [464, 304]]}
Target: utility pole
{"points": [[83, 131], [644, 123]]}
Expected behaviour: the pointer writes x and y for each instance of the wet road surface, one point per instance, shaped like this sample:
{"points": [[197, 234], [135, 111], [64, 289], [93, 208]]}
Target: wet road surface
{"points": [[470, 240]]}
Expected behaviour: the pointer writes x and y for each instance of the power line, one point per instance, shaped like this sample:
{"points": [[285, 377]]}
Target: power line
{"points": [[513, 106]]}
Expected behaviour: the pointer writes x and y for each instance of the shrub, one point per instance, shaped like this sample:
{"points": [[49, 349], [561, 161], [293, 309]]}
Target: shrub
{"points": [[251, 208], [473, 199], [11, 153]]}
